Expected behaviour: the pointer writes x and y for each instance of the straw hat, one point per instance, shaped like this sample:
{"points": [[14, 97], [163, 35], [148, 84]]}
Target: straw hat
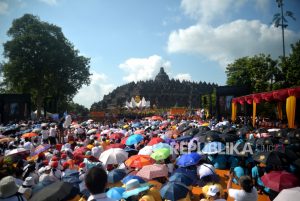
{"points": [[8, 187]]}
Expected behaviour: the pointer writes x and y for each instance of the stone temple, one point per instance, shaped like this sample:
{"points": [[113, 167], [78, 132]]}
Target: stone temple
{"points": [[162, 92]]}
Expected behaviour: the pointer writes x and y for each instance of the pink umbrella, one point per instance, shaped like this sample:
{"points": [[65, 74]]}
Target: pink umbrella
{"points": [[278, 180], [149, 172]]}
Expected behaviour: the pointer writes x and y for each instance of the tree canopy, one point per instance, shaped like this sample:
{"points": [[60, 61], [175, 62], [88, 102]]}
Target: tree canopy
{"points": [[42, 61], [262, 73], [257, 73]]}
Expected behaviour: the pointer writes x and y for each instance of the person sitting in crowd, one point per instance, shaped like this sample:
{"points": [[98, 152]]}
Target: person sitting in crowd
{"points": [[248, 191], [96, 181]]}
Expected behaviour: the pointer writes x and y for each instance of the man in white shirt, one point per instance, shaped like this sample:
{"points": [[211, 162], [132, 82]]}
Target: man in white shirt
{"points": [[52, 134], [248, 191]]}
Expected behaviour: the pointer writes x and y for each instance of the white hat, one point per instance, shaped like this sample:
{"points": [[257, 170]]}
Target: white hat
{"points": [[8, 187], [213, 190], [29, 181], [41, 170], [47, 168]]}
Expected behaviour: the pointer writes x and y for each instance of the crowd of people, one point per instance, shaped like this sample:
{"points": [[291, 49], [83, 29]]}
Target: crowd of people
{"points": [[149, 159]]}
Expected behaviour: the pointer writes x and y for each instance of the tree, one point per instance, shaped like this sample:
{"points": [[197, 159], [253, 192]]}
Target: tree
{"points": [[78, 109], [42, 62], [290, 67], [258, 73]]}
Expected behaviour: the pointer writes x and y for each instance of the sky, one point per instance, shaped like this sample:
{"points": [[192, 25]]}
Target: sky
{"points": [[129, 40]]}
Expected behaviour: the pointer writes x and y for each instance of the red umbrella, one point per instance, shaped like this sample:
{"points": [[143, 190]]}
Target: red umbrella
{"points": [[116, 136], [278, 180], [154, 141], [80, 151], [118, 145], [139, 161], [155, 118], [123, 141]]}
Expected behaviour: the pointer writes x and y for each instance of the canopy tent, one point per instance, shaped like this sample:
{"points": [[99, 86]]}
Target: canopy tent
{"points": [[289, 95]]}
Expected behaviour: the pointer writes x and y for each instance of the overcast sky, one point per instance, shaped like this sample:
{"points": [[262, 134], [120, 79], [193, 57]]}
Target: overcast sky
{"points": [[129, 40]]}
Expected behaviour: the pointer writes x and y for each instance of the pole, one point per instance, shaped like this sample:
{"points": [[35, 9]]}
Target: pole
{"points": [[282, 29]]}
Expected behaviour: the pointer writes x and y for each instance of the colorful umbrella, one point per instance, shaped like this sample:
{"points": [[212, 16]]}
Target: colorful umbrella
{"points": [[129, 177], [157, 118], [291, 194], [134, 139], [16, 151], [161, 154], [117, 145], [146, 150], [6, 140], [149, 172], [174, 191], [116, 136], [115, 175], [160, 146], [113, 156], [123, 140], [115, 193], [183, 178], [278, 180], [154, 141], [186, 160], [39, 149], [140, 131], [29, 135], [139, 161], [213, 148], [94, 130]]}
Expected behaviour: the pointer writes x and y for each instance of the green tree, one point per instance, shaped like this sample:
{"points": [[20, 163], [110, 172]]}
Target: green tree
{"points": [[42, 62], [290, 67], [78, 109], [258, 73]]}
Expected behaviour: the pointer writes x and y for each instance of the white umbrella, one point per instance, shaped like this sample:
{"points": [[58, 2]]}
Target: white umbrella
{"points": [[206, 170], [16, 151], [92, 131], [104, 132], [290, 194], [113, 156], [146, 150]]}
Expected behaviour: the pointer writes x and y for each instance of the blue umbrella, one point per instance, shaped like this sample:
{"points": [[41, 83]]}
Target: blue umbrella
{"points": [[183, 178], [160, 145], [115, 193], [186, 160], [136, 125], [129, 177], [174, 191], [115, 175], [184, 138], [213, 148], [134, 139], [192, 174]]}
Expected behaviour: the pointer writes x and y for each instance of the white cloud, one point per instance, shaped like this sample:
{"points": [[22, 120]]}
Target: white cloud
{"points": [[230, 41], [143, 68], [49, 2], [98, 87], [183, 76], [208, 10], [3, 8]]}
